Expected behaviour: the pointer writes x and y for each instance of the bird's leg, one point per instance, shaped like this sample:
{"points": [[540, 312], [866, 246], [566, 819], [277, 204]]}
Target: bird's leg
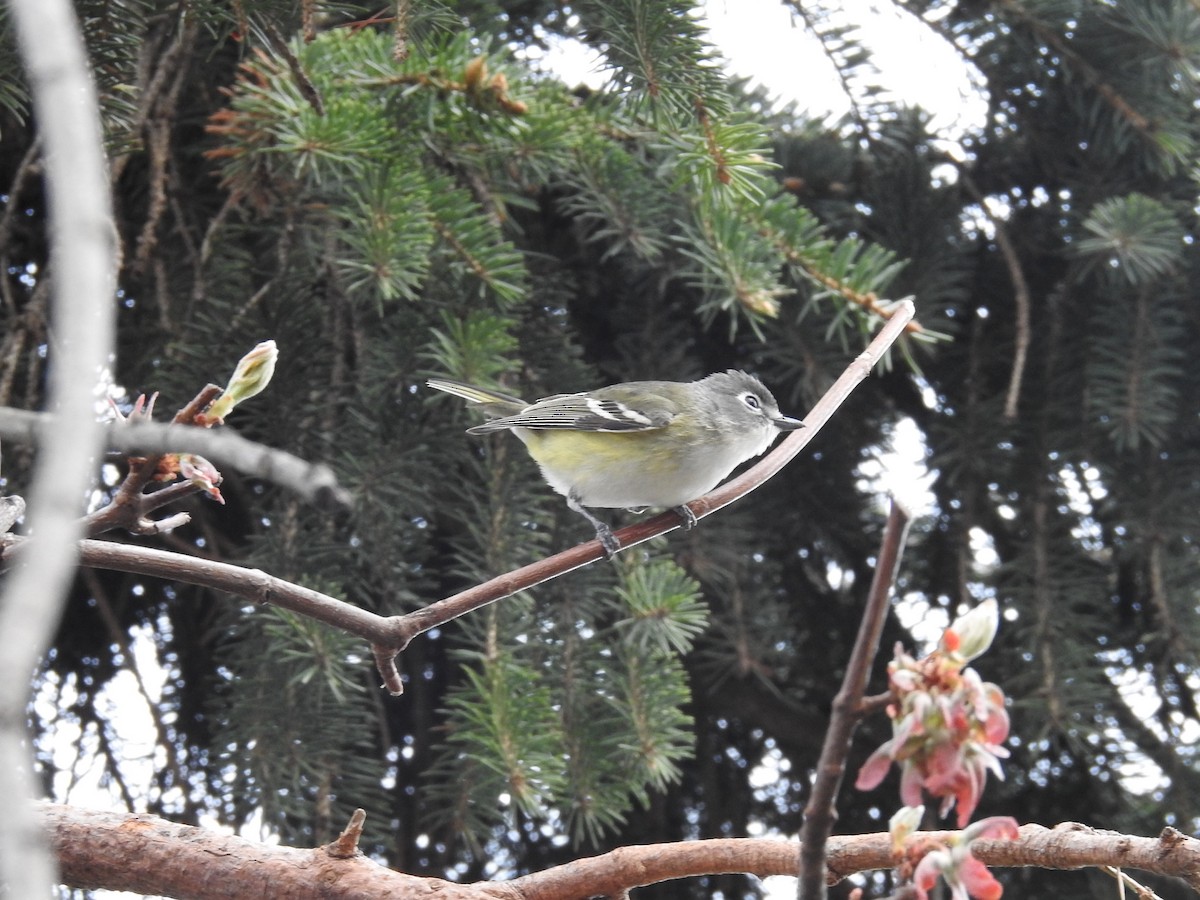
{"points": [[604, 534], [685, 513]]}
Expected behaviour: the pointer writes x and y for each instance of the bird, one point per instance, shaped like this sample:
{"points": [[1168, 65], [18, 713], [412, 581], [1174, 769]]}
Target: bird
{"points": [[638, 444]]}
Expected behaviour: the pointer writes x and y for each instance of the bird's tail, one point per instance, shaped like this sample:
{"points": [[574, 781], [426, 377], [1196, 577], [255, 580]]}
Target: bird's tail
{"points": [[499, 403]]}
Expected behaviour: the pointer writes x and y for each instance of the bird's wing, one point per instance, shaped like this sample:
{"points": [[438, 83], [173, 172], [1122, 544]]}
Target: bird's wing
{"points": [[586, 412]]}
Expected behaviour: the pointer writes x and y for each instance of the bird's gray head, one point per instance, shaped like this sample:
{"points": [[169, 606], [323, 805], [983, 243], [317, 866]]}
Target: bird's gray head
{"points": [[745, 400]]}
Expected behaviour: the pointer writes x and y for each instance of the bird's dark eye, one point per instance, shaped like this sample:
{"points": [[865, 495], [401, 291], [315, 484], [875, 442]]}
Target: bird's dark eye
{"points": [[751, 401]]}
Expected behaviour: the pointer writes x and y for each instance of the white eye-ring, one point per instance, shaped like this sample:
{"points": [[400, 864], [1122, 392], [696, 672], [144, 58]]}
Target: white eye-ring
{"points": [[752, 401]]}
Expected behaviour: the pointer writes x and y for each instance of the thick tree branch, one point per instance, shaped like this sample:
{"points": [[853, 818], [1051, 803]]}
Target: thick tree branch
{"points": [[149, 855], [123, 851]]}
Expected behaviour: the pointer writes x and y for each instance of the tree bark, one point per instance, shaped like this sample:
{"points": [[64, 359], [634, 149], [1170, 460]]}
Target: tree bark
{"points": [[146, 854]]}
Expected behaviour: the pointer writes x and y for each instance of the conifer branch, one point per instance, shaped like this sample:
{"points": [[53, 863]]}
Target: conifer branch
{"points": [[837, 60], [27, 167], [812, 269], [483, 90], [304, 84], [1054, 39], [400, 32]]}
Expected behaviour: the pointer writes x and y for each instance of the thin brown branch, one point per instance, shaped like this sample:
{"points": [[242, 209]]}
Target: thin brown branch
{"points": [[874, 703], [250, 584], [820, 812], [382, 632], [149, 855], [158, 143], [388, 636], [128, 508], [1048, 621], [154, 72], [436, 614], [1021, 296], [1068, 846], [215, 224], [279, 44], [401, 30]]}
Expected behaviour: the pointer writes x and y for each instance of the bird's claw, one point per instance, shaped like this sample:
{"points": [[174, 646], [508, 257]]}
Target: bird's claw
{"points": [[607, 540], [689, 517]]}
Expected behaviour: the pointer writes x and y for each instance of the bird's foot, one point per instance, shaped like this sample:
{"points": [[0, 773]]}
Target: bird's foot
{"points": [[607, 540], [685, 513]]}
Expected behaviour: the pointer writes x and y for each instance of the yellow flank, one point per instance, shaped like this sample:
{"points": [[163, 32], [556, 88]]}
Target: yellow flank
{"points": [[601, 451]]}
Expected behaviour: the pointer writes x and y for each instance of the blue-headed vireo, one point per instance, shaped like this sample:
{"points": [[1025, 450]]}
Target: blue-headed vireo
{"points": [[638, 444]]}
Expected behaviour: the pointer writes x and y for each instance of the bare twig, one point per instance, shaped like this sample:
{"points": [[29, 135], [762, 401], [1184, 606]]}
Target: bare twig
{"points": [[316, 483], [304, 84], [819, 812], [436, 614], [120, 637], [400, 32], [1123, 881], [1021, 296], [346, 845], [389, 636], [83, 250]]}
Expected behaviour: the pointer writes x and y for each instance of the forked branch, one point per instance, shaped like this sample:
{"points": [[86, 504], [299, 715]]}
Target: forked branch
{"points": [[390, 635]]}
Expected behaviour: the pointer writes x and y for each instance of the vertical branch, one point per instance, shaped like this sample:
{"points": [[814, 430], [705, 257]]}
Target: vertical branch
{"points": [[1047, 611], [83, 247], [1021, 296], [819, 813]]}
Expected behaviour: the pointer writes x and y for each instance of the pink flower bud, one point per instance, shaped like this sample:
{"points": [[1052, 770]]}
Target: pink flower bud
{"points": [[200, 472]]}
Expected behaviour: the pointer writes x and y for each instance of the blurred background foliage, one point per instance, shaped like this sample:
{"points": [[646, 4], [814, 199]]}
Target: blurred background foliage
{"points": [[392, 193]]}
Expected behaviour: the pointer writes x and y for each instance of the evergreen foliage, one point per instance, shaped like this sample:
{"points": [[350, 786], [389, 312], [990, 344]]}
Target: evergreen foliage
{"points": [[389, 200]]}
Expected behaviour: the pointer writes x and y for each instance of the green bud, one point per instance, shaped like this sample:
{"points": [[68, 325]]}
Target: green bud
{"points": [[906, 820], [252, 375], [972, 633]]}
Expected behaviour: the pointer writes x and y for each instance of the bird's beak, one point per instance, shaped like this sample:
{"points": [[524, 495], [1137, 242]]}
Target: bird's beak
{"points": [[787, 423]]}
